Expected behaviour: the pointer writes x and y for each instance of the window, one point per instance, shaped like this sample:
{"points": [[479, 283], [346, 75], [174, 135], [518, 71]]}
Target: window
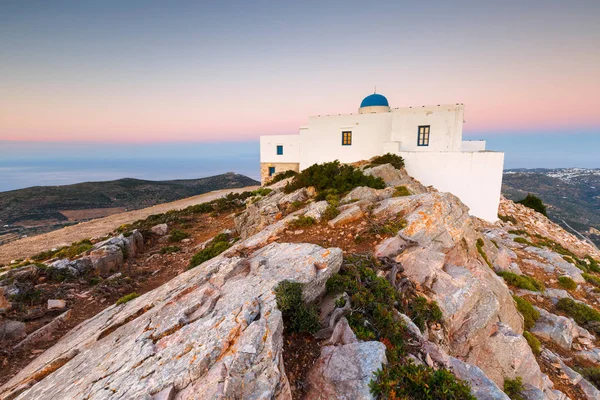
{"points": [[346, 138], [423, 135], [279, 150], [271, 171]]}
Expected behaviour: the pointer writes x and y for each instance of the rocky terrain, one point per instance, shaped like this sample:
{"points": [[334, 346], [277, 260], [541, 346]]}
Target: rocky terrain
{"points": [[390, 292], [572, 195], [35, 210]]}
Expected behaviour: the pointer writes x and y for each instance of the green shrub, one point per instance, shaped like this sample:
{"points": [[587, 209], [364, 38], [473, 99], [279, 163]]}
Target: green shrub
{"points": [[330, 213], [592, 374], [262, 191], [390, 227], [481, 252], [522, 281], [335, 176], [508, 218], [389, 158], [514, 388], [567, 283], [94, 280], [127, 298], [178, 235], [530, 314], [298, 316], [593, 264], [422, 311], [525, 242], [301, 221], [219, 244], [170, 250], [534, 202], [281, 176], [410, 381], [583, 314], [518, 232], [402, 191], [26, 296], [593, 279], [534, 343]]}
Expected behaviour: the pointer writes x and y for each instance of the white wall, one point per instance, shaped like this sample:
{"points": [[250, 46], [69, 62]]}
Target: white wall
{"points": [[473, 145], [445, 123], [291, 148], [474, 177], [321, 141]]}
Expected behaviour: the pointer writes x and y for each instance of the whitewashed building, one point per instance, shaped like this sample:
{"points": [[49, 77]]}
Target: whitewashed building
{"points": [[429, 138]]}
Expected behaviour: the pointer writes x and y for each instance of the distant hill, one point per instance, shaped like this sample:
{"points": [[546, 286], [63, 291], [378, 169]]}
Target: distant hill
{"points": [[572, 194], [43, 208]]}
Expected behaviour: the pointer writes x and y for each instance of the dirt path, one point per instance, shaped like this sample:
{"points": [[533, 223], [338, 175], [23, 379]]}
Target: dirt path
{"points": [[99, 227]]}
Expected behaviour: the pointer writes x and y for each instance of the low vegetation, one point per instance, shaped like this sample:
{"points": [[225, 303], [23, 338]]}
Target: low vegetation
{"points": [[389, 158], [262, 191], [389, 227], [522, 281], [525, 242], [298, 316], [281, 176], [567, 283], [72, 251], [178, 235], [170, 250], [583, 314], [535, 203], [593, 279], [375, 304], [127, 298], [534, 343], [301, 221], [514, 388], [481, 252], [402, 191], [333, 177], [508, 218], [530, 314], [592, 374], [217, 245]]}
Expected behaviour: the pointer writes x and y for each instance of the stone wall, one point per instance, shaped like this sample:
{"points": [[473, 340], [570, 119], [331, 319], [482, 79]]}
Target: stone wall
{"points": [[279, 167]]}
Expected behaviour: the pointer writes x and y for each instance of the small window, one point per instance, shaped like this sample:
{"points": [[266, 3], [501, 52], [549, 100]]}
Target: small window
{"points": [[279, 150], [271, 171], [346, 138], [423, 135]]}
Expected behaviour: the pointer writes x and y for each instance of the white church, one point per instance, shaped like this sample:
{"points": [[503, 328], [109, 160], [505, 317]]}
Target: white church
{"points": [[429, 138]]}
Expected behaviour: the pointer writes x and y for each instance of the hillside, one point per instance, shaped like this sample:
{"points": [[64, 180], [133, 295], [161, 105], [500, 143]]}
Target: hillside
{"points": [[572, 195], [384, 289], [40, 209]]}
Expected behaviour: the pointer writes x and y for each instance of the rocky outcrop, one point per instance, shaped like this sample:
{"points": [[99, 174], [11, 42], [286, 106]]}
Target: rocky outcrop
{"points": [[214, 331], [561, 330], [394, 177]]}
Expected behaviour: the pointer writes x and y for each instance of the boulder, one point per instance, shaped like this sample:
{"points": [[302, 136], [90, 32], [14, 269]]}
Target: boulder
{"points": [[211, 332], [342, 333], [11, 331], [350, 214], [160, 229], [391, 247], [589, 390], [54, 304], [62, 268], [299, 195], [107, 259], [561, 330], [482, 387], [315, 210], [362, 193], [395, 177], [344, 372], [28, 273]]}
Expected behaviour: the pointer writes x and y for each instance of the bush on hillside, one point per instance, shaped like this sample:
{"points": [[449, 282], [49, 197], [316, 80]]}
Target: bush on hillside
{"points": [[301, 221], [333, 176], [281, 176], [567, 283], [522, 281], [479, 244], [535, 203], [592, 374], [298, 316], [583, 314], [127, 298], [402, 191], [534, 343], [178, 235], [593, 279], [218, 244], [514, 388], [530, 314], [389, 158]]}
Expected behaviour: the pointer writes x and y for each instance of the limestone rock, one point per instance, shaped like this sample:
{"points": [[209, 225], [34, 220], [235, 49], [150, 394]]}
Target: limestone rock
{"points": [[11, 330], [396, 177], [362, 193], [391, 247], [160, 229], [561, 330], [350, 214], [482, 387], [344, 372], [315, 210], [213, 331], [342, 333], [299, 195], [575, 378], [45, 333], [107, 259], [54, 304], [28, 273]]}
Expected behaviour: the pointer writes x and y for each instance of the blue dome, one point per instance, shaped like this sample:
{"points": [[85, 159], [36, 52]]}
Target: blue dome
{"points": [[374, 100]]}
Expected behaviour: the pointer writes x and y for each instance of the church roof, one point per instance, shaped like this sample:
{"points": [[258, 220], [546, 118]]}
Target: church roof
{"points": [[373, 100]]}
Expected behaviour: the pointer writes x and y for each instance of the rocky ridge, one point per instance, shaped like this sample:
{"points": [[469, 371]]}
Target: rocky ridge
{"points": [[215, 331]]}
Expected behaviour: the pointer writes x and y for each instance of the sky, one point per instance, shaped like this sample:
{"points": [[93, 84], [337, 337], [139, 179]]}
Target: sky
{"points": [[181, 72]]}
